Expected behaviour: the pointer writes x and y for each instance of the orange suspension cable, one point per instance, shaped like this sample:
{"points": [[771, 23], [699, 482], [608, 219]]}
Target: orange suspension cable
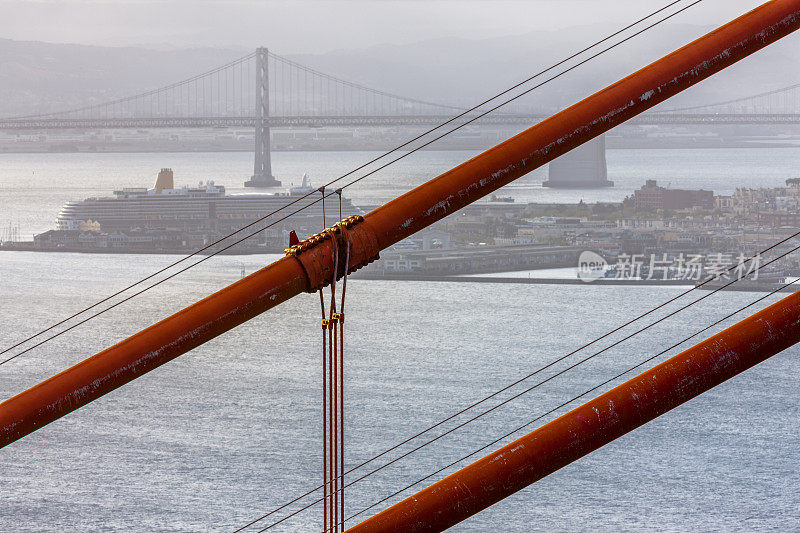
{"points": [[340, 324], [333, 386], [327, 517], [324, 409], [333, 436], [332, 371]]}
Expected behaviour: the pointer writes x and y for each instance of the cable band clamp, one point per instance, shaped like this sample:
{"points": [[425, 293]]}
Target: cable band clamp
{"points": [[312, 265], [327, 233]]}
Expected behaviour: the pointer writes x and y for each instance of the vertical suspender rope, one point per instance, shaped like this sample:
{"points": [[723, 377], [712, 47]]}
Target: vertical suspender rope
{"points": [[324, 411], [331, 428], [331, 491], [325, 323], [333, 381], [334, 394], [340, 325]]}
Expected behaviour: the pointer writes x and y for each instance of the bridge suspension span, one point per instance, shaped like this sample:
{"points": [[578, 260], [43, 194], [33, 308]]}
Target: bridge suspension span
{"points": [[264, 90], [783, 101]]}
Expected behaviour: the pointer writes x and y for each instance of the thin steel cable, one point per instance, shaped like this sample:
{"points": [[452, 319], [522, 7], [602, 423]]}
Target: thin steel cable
{"points": [[513, 397], [574, 398], [334, 392], [327, 490], [340, 325], [361, 167], [324, 409], [331, 484]]}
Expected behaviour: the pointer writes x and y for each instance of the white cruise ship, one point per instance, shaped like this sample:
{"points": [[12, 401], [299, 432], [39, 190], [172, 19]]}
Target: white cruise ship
{"points": [[202, 209]]}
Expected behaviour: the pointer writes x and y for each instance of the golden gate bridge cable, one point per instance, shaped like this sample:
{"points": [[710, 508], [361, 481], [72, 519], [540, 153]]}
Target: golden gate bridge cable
{"points": [[527, 424], [218, 241], [714, 291]]}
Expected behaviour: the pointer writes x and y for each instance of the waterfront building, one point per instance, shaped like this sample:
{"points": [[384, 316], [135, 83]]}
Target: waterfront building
{"points": [[653, 197]]}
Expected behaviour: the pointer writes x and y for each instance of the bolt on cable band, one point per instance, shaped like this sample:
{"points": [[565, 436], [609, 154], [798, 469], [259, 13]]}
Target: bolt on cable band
{"points": [[337, 235]]}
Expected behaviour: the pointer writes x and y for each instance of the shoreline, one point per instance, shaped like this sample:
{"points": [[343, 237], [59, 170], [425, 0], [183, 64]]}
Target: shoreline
{"points": [[607, 282], [505, 280], [522, 281]]}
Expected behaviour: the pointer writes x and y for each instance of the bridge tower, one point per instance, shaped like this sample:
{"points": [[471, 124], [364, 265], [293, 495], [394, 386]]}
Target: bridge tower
{"points": [[582, 168], [262, 172]]}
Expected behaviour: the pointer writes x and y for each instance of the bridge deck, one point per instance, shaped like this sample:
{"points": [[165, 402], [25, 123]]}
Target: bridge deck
{"points": [[398, 120]]}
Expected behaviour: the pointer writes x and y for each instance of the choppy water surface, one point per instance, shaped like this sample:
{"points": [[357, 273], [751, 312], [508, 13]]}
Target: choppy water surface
{"points": [[231, 430]]}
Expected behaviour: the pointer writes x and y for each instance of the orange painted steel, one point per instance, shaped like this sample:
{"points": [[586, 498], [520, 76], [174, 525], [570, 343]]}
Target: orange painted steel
{"points": [[594, 424], [396, 220]]}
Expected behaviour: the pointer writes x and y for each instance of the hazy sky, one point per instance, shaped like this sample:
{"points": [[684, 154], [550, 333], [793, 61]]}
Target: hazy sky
{"points": [[317, 26]]}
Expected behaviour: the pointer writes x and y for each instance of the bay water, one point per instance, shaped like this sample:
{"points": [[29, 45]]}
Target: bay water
{"points": [[231, 430]]}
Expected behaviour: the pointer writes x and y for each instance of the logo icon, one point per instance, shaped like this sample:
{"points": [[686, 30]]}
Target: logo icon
{"points": [[591, 266]]}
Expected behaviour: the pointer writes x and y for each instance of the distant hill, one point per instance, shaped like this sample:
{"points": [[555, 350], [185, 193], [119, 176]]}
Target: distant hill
{"points": [[477, 68], [39, 77]]}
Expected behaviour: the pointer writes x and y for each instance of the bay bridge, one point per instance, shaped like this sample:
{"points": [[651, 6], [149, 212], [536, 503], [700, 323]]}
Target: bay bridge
{"points": [[263, 90]]}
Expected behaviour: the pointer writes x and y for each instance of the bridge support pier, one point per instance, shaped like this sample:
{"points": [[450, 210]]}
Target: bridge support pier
{"points": [[582, 168], [262, 171]]}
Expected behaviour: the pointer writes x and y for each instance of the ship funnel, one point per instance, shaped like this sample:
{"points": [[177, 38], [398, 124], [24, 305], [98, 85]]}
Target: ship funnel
{"points": [[164, 180]]}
